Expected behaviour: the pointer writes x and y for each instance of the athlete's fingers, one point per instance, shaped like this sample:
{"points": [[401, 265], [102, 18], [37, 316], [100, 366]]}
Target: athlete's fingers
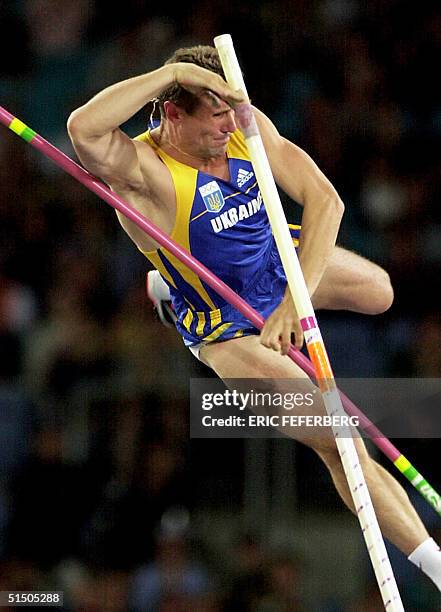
{"points": [[298, 334], [286, 340], [233, 97], [270, 341], [283, 335], [277, 343], [228, 95], [292, 334], [198, 80], [265, 332], [220, 87], [269, 335]]}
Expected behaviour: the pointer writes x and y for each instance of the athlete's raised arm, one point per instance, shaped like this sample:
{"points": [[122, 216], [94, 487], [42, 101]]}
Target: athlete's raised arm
{"points": [[94, 128]]}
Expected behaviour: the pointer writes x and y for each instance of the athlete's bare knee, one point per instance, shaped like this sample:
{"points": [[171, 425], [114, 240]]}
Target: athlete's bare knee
{"points": [[382, 295]]}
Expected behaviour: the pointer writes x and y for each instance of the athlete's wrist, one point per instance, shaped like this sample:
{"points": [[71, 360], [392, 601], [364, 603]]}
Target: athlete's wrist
{"points": [[287, 298]]}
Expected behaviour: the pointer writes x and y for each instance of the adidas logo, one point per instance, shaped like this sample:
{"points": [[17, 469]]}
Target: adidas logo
{"points": [[243, 177]]}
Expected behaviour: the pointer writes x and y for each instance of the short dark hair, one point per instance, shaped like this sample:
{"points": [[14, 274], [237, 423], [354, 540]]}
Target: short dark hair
{"points": [[201, 55]]}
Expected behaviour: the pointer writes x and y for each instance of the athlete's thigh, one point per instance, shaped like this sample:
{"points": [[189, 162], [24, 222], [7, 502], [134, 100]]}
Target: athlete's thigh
{"points": [[347, 268], [349, 282], [245, 358]]}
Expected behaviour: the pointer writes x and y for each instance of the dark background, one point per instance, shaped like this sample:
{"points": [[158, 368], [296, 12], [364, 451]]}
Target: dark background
{"points": [[102, 493]]}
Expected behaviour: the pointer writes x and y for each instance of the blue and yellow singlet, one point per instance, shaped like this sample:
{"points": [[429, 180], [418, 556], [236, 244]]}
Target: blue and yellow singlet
{"points": [[225, 226]]}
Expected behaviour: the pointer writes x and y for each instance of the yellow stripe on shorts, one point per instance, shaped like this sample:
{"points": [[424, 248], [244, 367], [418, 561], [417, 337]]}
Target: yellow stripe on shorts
{"points": [[215, 317], [188, 320], [201, 323], [217, 332]]}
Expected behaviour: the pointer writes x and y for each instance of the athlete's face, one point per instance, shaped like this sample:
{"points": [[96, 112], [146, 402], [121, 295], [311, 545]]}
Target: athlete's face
{"points": [[207, 130]]}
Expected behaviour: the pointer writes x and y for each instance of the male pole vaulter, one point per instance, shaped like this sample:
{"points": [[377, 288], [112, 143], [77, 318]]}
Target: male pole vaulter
{"points": [[192, 177]]}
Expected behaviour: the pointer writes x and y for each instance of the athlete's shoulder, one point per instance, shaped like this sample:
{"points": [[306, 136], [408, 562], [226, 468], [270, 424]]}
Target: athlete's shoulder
{"points": [[142, 137], [146, 137], [151, 151]]}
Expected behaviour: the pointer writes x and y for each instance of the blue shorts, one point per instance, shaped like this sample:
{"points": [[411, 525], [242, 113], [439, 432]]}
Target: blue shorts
{"points": [[225, 323]]}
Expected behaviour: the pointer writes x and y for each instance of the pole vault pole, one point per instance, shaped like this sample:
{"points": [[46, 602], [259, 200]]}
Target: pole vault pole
{"points": [[314, 341], [102, 191]]}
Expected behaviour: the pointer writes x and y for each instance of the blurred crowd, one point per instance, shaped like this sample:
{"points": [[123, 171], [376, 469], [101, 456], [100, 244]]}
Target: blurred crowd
{"points": [[99, 483]]}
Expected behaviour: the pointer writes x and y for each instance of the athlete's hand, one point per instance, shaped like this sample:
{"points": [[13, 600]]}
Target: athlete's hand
{"points": [[280, 326], [198, 80]]}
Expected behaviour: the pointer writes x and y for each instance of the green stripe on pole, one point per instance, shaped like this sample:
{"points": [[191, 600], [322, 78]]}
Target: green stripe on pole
{"points": [[28, 134], [411, 473]]}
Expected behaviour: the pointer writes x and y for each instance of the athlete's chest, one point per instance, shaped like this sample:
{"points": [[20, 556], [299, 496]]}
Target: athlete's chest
{"points": [[219, 170], [213, 190], [231, 205]]}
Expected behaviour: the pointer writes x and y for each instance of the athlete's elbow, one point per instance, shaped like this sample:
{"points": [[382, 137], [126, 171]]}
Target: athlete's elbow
{"points": [[339, 206], [335, 206], [74, 127], [78, 125]]}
